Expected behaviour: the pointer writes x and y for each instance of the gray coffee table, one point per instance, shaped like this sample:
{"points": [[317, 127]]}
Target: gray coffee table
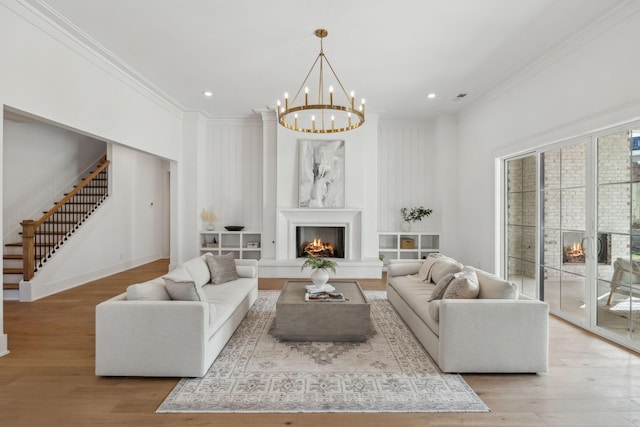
{"points": [[300, 320]]}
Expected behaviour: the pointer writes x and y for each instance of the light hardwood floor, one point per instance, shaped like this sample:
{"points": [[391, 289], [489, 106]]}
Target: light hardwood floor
{"points": [[48, 378]]}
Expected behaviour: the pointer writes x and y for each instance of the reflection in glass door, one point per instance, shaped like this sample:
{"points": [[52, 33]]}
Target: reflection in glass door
{"points": [[618, 218], [521, 216], [564, 238]]}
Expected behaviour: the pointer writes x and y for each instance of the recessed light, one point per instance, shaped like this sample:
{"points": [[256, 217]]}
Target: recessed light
{"points": [[207, 93], [431, 95]]}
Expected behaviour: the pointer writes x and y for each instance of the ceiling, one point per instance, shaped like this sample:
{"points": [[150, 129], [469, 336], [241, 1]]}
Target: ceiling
{"points": [[392, 52]]}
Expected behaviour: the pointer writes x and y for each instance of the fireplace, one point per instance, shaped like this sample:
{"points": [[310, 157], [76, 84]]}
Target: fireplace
{"points": [[574, 252], [322, 241]]}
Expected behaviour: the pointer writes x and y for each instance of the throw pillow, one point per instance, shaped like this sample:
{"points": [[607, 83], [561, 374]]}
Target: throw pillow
{"points": [[148, 291], [426, 266], [441, 287], [181, 287], [222, 268], [443, 267], [464, 285]]}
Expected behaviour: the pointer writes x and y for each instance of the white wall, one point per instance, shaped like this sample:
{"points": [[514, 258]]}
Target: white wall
{"points": [[589, 83], [129, 229], [361, 174], [407, 159], [231, 172], [47, 73], [41, 163]]}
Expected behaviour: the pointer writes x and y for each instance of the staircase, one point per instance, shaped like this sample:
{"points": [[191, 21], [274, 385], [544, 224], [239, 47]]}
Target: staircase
{"points": [[43, 237]]}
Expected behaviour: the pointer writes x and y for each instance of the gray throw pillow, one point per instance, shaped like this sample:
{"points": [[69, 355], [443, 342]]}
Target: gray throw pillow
{"points": [[464, 285], [181, 287], [441, 287], [222, 268]]}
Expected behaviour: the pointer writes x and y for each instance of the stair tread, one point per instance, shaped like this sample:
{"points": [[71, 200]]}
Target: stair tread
{"points": [[11, 285], [12, 270], [13, 245], [12, 256]]}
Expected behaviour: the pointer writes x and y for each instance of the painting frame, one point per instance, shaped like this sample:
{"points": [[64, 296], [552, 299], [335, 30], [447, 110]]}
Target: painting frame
{"points": [[321, 173]]}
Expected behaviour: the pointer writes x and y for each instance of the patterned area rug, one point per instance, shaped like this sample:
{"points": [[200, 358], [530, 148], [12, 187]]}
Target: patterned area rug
{"points": [[389, 372]]}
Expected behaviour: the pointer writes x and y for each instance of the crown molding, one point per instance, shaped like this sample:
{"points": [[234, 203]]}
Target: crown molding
{"points": [[52, 23], [600, 25]]}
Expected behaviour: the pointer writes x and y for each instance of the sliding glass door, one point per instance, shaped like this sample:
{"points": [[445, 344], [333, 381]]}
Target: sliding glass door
{"points": [[563, 247], [578, 203], [521, 227], [618, 223]]}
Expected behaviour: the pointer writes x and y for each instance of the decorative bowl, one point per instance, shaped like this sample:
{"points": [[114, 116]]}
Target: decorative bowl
{"points": [[234, 227]]}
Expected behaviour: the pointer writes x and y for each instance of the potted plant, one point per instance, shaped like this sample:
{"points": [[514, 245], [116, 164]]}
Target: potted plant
{"points": [[319, 265], [413, 215]]}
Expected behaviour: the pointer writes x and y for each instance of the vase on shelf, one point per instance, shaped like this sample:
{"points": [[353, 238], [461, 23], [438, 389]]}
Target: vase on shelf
{"points": [[405, 226], [210, 226]]}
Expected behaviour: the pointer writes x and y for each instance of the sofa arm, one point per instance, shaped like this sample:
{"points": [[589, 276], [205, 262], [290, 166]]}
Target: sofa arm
{"points": [[487, 335], [151, 338], [402, 268], [247, 268]]}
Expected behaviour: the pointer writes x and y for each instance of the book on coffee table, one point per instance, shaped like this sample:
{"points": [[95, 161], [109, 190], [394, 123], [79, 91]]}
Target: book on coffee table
{"points": [[324, 296]]}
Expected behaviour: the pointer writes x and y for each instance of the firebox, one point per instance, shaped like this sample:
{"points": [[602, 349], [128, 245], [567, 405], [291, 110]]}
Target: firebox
{"points": [[574, 252], [323, 241]]}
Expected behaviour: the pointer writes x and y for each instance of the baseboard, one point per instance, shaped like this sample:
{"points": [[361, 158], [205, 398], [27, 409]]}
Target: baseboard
{"points": [[3, 345], [33, 290]]}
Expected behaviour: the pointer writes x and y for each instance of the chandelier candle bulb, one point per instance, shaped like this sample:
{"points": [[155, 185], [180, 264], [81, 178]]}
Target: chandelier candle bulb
{"points": [[332, 122], [286, 101], [295, 117], [306, 96], [331, 96]]}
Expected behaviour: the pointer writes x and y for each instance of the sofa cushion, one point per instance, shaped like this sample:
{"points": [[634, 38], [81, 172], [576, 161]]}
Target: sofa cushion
{"points": [[180, 286], [444, 266], [148, 291], [441, 287], [222, 268], [198, 270], [493, 287], [464, 285]]}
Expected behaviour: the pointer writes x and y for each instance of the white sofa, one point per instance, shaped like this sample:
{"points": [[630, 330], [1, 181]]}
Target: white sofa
{"points": [[498, 331], [159, 337]]}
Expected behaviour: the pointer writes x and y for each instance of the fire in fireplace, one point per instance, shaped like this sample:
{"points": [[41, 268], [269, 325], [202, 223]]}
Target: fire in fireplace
{"points": [[573, 251], [320, 241], [318, 248]]}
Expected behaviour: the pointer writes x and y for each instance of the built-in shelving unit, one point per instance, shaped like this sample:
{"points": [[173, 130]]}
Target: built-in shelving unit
{"points": [[243, 244], [400, 245]]}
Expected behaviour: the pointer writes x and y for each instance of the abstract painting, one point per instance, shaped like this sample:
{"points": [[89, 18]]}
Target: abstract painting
{"points": [[321, 174]]}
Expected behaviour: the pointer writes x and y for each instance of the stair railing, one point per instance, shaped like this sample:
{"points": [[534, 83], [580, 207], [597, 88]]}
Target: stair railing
{"points": [[41, 238]]}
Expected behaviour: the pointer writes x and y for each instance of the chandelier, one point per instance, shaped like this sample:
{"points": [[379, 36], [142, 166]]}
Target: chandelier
{"points": [[337, 115]]}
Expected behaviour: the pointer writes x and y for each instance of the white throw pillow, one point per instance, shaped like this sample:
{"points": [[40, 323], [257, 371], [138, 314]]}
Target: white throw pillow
{"points": [[493, 287], [464, 285], [147, 291], [426, 266], [180, 286], [222, 268], [443, 267]]}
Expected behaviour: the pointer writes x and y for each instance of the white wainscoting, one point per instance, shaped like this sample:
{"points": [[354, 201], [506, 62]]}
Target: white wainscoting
{"points": [[406, 172], [232, 172]]}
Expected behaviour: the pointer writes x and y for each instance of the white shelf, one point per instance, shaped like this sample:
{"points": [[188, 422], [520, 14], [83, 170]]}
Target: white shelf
{"points": [[236, 242], [390, 245]]}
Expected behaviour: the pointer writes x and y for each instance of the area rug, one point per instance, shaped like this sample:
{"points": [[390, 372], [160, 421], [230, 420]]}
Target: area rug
{"points": [[389, 372]]}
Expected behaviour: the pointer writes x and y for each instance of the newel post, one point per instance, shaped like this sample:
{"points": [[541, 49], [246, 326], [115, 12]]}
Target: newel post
{"points": [[28, 248]]}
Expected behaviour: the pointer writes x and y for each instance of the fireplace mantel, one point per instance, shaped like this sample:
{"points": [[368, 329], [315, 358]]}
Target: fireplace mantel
{"points": [[289, 219]]}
